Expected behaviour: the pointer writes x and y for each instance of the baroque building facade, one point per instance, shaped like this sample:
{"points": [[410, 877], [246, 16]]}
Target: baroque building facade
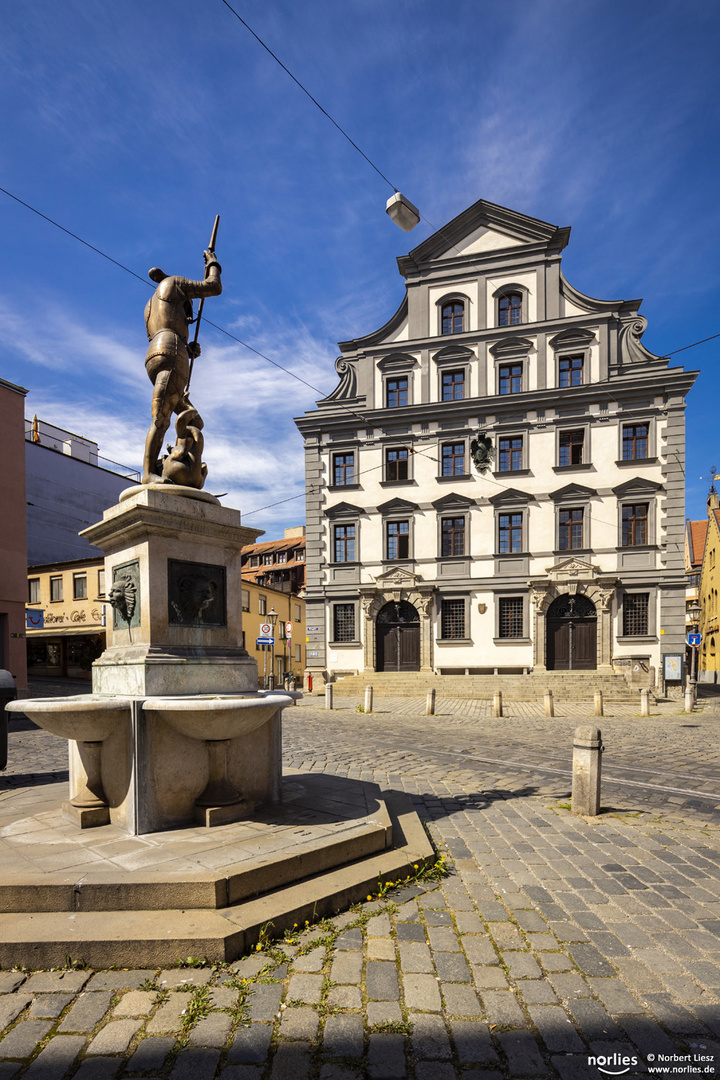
{"points": [[496, 485]]}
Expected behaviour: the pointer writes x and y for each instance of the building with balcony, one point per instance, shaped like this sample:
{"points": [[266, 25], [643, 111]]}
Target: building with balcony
{"points": [[277, 564], [496, 483]]}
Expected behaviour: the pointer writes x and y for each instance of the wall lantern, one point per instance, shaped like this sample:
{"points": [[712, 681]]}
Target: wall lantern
{"points": [[402, 212]]}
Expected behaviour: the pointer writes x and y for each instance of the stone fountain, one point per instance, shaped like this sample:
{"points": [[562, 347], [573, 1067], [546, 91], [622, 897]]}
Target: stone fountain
{"points": [[175, 731]]}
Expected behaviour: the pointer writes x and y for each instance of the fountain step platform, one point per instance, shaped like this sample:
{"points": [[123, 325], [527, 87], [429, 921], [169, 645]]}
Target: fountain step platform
{"points": [[137, 936]]}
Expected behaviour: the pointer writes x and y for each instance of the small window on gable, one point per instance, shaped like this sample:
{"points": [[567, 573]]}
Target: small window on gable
{"points": [[510, 312], [453, 317]]}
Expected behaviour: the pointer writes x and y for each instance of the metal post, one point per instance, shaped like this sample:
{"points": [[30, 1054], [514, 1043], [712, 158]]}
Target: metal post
{"points": [[693, 673], [497, 703], [549, 703], [587, 759], [644, 703], [368, 699], [328, 695], [265, 678], [430, 704], [599, 703]]}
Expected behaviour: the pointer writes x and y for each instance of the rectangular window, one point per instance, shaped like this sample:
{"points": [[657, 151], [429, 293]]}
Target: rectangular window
{"points": [[344, 622], [453, 459], [453, 619], [511, 454], [282, 556], [509, 533], [635, 614], [570, 370], [634, 525], [268, 559], [246, 599], [343, 469], [34, 590], [298, 653], [452, 533], [397, 393], [101, 582], [79, 586], [397, 535], [300, 555], [298, 613], [570, 447], [510, 623], [396, 463], [262, 605], [56, 589], [344, 543], [635, 442], [453, 385], [254, 560], [510, 378], [571, 529]]}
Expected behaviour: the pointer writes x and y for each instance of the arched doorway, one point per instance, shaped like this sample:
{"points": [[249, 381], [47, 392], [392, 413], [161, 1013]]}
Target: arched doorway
{"points": [[397, 630], [571, 643]]}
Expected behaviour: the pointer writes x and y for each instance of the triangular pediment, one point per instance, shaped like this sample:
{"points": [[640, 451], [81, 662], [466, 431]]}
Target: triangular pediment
{"points": [[343, 509], [572, 568], [485, 227], [397, 506], [638, 485], [453, 501], [572, 492], [453, 353], [511, 497], [397, 575]]}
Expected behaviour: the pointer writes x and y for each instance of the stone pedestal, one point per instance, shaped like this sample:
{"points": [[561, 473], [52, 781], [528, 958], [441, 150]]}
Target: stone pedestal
{"points": [[172, 566], [176, 554]]}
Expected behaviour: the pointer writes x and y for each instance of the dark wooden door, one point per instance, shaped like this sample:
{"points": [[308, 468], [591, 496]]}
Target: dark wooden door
{"points": [[398, 647], [571, 640]]}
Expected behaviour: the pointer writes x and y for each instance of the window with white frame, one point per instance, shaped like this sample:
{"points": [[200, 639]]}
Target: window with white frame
{"points": [[510, 309], [344, 543], [571, 370], [570, 528], [397, 539], [396, 391], [452, 457], [452, 385], [453, 317], [510, 453], [634, 524], [571, 447], [56, 589], [343, 469], [34, 590], [510, 532], [246, 599], [510, 378], [635, 442], [396, 463]]}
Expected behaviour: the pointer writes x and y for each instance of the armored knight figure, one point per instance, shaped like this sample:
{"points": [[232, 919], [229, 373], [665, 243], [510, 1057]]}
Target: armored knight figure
{"points": [[168, 314]]}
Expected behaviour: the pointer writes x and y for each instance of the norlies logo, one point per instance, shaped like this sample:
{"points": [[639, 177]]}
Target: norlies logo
{"points": [[610, 1065]]}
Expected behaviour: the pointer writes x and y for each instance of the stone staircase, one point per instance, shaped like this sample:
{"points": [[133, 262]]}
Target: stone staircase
{"points": [[565, 685]]}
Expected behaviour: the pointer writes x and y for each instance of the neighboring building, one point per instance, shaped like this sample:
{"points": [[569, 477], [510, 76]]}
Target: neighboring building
{"points": [[695, 535], [65, 618], [13, 537], [289, 651], [68, 487], [277, 564], [568, 554], [709, 585]]}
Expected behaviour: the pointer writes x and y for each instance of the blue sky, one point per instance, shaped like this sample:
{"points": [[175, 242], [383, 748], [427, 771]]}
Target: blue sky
{"points": [[133, 124]]}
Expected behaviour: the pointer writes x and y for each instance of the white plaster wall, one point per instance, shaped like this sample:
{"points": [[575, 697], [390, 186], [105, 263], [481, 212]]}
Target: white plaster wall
{"points": [[482, 239]]}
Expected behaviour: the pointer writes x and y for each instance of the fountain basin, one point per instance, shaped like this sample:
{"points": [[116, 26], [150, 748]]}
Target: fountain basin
{"points": [[217, 717], [83, 718]]}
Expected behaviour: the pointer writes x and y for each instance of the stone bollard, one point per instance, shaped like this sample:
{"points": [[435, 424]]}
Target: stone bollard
{"points": [[368, 698], [689, 699], [430, 705], [497, 703], [644, 702], [587, 760], [599, 703], [328, 695], [549, 703]]}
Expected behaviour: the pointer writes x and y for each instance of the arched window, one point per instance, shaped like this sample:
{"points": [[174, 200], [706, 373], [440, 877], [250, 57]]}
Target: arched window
{"points": [[453, 317], [510, 309]]}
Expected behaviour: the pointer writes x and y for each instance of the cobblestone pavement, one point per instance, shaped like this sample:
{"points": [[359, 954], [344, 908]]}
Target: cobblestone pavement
{"points": [[558, 946]]}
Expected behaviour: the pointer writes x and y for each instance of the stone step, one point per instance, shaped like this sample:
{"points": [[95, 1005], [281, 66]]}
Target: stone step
{"points": [[529, 687], [157, 938]]}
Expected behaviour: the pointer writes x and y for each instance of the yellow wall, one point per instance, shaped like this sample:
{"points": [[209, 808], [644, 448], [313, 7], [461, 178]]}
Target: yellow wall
{"points": [[288, 607], [72, 617], [709, 651]]}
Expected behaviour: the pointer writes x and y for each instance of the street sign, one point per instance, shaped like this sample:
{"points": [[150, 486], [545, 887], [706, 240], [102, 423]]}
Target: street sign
{"points": [[266, 641], [265, 629], [288, 629], [311, 628], [694, 639]]}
